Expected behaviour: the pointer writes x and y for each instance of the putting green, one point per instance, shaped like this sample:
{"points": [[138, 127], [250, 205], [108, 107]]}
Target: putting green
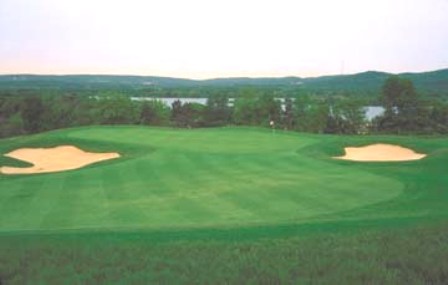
{"points": [[186, 178]]}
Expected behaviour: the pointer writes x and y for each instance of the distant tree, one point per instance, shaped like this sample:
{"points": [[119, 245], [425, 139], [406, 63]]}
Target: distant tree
{"points": [[288, 114], [404, 110], [310, 115], [267, 109], [59, 111], [194, 114], [11, 126], [244, 108], [439, 117], [146, 114], [217, 111], [177, 116], [346, 117], [398, 95], [188, 115], [87, 112], [32, 113], [116, 109]]}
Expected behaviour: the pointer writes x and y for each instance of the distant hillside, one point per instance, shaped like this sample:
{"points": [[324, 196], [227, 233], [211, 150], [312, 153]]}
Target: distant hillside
{"points": [[90, 81], [371, 81]]}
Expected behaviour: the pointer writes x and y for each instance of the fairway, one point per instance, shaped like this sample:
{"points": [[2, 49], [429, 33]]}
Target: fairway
{"points": [[224, 206], [169, 178]]}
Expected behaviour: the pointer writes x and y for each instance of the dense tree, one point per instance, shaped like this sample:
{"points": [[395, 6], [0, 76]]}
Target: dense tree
{"points": [[60, 111], [11, 126], [404, 110], [116, 109], [218, 111], [439, 117], [86, 111], [256, 109], [32, 113], [310, 115], [398, 95], [194, 114], [154, 112], [267, 109], [346, 117], [24, 111], [177, 115], [288, 114], [188, 115], [244, 107]]}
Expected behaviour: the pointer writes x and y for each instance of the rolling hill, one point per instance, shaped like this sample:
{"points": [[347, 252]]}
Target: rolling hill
{"points": [[427, 82]]}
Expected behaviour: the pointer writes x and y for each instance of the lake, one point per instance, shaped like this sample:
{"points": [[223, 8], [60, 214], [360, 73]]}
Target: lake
{"points": [[371, 112]]}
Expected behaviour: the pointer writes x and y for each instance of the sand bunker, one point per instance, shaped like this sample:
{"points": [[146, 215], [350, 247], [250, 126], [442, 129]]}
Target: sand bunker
{"points": [[55, 159], [380, 152]]}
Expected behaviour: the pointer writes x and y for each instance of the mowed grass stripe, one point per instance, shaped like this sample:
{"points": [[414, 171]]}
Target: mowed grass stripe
{"points": [[193, 178], [143, 192], [151, 171], [119, 192], [181, 177], [16, 205], [92, 206], [17, 208], [66, 199], [8, 190]]}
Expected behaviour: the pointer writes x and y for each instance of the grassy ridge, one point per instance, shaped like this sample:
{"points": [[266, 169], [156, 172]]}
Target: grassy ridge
{"points": [[231, 205]]}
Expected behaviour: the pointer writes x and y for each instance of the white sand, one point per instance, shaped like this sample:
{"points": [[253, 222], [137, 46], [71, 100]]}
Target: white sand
{"points": [[380, 152], [54, 159]]}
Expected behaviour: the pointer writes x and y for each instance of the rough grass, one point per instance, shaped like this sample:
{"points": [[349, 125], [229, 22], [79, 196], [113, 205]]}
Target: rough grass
{"points": [[230, 205], [399, 256]]}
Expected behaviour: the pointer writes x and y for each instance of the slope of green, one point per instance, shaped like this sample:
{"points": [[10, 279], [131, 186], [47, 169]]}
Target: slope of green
{"points": [[188, 178], [225, 206]]}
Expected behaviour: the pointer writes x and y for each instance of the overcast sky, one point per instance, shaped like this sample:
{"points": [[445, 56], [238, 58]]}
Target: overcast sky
{"points": [[215, 38]]}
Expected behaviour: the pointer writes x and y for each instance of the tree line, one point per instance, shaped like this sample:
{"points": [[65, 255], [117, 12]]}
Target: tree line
{"points": [[405, 112]]}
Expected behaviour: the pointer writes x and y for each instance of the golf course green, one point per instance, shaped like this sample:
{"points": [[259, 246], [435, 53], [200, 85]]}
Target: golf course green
{"points": [[220, 182]]}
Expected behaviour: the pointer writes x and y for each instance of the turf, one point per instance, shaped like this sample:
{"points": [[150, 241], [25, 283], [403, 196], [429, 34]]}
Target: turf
{"points": [[198, 178], [223, 190]]}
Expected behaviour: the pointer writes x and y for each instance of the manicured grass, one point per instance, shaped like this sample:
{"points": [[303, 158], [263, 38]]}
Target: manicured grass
{"points": [[214, 178], [206, 191]]}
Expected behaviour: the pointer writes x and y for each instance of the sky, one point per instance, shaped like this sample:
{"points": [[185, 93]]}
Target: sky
{"points": [[222, 38]]}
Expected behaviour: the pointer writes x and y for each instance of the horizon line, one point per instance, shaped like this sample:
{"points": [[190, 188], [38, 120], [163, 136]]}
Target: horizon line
{"points": [[214, 78]]}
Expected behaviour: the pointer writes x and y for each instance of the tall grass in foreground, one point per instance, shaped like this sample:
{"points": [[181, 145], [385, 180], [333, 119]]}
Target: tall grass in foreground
{"points": [[416, 255]]}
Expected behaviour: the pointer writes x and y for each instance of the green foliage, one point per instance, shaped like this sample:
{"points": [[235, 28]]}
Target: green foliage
{"points": [[60, 112], [333, 112], [405, 112], [155, 113], [256, 109], [288, 119], [399, 96], [439, 117], [32, 112], [218, 111], [12, 126], [346, 117], [116, 109], [311, 115]]}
